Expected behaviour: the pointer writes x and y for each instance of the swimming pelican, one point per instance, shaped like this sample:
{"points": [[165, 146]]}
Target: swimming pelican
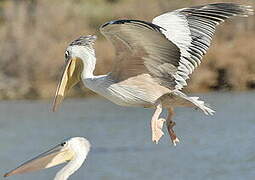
{"points": [[74, 150], [152, 63]]}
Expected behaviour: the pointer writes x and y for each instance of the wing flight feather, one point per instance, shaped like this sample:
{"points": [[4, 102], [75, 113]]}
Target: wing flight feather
{"points": [[169, 48]]}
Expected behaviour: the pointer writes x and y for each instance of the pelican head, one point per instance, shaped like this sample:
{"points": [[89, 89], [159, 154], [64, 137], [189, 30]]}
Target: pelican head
{"points": [[80, 62], [74, 150]]}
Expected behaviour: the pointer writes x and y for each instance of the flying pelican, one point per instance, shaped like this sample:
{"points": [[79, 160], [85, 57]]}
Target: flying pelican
{"points": [[74, 150], [152, 63]]}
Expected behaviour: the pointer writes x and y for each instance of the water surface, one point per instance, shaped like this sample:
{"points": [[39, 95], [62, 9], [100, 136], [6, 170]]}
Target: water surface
{"points": [[212, 147]]}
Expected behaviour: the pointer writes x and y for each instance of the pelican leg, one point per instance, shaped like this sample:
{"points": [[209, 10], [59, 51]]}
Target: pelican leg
{"points": [[170, 124], [157, 124]]}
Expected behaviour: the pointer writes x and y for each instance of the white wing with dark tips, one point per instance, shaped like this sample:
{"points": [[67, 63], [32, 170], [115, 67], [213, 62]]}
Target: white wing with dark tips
{"points": [[169, 48], [192, 29]]}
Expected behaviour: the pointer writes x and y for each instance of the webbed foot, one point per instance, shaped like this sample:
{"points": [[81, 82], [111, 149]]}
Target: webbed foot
{"points": [[171, 132], [157, 133]]}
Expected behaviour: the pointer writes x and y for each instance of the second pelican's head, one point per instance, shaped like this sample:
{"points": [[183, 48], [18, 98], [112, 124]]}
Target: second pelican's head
{"points": [[80, 62], [74, 149]]}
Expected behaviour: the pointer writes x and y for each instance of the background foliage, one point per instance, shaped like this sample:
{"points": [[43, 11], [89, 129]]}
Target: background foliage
{"points": [[35, 33]]}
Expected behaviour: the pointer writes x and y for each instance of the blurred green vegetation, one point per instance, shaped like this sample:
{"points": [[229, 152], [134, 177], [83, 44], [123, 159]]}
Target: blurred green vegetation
{"points": [[35, 33]]}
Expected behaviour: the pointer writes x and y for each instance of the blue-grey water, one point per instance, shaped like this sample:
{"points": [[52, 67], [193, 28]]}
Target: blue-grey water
{"points": [[218, 147]]}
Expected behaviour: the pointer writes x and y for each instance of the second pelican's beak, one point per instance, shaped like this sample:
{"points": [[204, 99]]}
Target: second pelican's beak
{"points": [[70, 77], [53, 157]]}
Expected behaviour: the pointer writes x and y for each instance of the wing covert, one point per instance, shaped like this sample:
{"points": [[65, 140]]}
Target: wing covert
{"points": [[142, 48], [192, 29]]}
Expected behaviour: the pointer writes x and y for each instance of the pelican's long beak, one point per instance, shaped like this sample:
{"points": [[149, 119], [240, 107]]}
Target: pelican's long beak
{"points": [[71, 76], [53, 157]]}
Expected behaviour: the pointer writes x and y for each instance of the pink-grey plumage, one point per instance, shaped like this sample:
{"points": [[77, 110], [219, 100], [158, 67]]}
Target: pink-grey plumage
{"points": [[153, 60]]}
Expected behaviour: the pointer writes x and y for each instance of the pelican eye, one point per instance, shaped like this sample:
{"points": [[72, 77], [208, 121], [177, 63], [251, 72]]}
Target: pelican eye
{"points": [[63, 144], [66, 55]]}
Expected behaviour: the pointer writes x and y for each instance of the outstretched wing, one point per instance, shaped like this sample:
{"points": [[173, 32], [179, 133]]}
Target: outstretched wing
{"points": [[141, 48], [170, 48], [191, 29]]}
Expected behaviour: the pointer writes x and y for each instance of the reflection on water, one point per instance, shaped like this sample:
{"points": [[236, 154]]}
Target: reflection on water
{"points": [[212, 147]]}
